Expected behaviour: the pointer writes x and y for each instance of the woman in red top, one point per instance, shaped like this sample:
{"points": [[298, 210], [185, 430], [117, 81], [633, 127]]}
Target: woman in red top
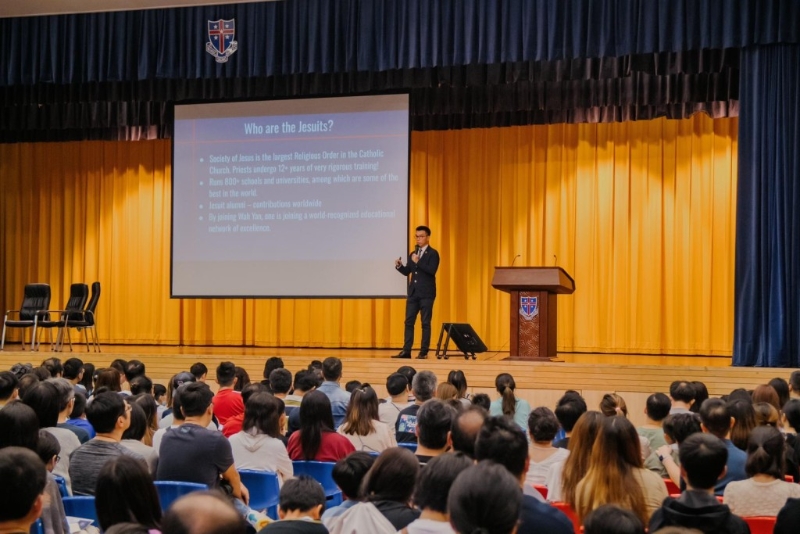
{"points": [[316, 439]]}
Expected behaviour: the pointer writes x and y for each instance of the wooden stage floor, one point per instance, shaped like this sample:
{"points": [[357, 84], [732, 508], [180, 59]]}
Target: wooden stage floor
{"points": [[633, 376]]}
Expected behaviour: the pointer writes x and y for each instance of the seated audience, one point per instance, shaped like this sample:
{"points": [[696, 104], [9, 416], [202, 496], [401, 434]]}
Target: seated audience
{"points": [[790, 421], [242, 379], [304, 382], [563, 478], [24, 477], [765, 492], [482, 400], [332, 373], [234, 424], [110, 416], [88, 379], [203, 513], [78, 416], [398, 387], [716, 419], [316, 439], [611, 519], [110, 378], [409, 372], [570, 407], [744, 420], [788, 520], [501, 441], [700, 395], [703, 458], [160, 396], [351, 385], [459, 380], [200, 371], [389, 485], [54, 519], [270, 365], [73, 372], [466, 426], [9, 387], [227, 401], [148, 404], [423, 386], [66, 401], [447, 392], [141, 384], [134, 435], [348, 473], [258, 446], [280, 382], [174, 383], [299, 509], [766, 393], [362, 425], [682, 395], [656, 410], [125, 492], [542, 428], [612, 405], [19, 426], [432, 489], [616, 474], [781, 387], [766, 414], [434, 420], [665, 460], [485, 498], [508, 404]]}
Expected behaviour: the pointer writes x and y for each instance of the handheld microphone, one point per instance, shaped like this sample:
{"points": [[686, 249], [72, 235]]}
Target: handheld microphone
{"points": [[515, 259], [416, 250]]}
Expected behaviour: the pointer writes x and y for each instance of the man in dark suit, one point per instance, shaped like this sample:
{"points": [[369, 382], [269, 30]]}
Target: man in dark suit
{"points": [[422, 265]]}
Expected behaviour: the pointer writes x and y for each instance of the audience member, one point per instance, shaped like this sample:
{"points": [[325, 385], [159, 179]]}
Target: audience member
{"points": [[66, 399], [447, 392], [485, 498], [501, 441], [299, 509], [482, 400], [542, 428], [616, 474], [316, 439], [563, 478], [111, 379], [703, 457], [125, 492], [431, 493], [258, 445], [141, 384], [120, 365], [682, 395], [466, 426], [611, 519], [434, 420], [794, 385], [570, 407], [148, 404], [790, 420], [54, 367], [508, 404], [133, 369], [349, 473], [77, 417], [409, 372], [766, 393], [781, 387], [175, 382], [160, 396], [612, 404], [227, 402], [700, 395], [270, 365], [242, 378], [280, 382], [19, 426], [352, 385], [389, 485], [744, 421], [88, 379], [54, 519], [21, 493], [788, 520], [332, 372], [200, 371], [423, 386], [234, 424], [110, 416], [766, 414], [73, 372], [134, 435], [304, 381], [665, 460], [716, 419], [362, 425], [398, 388], [459, 380], [176, 417], [765, 492], [203, 513], [656, 410]]}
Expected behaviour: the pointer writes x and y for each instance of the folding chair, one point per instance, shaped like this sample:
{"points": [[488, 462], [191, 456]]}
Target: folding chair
{"points": [[170, 491], [322, 473], [264, 490]]}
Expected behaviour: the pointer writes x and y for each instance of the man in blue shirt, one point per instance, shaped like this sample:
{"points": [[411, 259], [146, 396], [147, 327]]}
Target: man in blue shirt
{"points": [[332, 372]]}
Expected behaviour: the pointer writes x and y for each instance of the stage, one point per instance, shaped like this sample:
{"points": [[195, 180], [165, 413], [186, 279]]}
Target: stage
{"points": [[633, 376]]}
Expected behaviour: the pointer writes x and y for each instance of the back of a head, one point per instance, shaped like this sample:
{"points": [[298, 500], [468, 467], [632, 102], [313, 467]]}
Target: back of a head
{"points": [[396, 384], [195, 398], [203, 513], [501, 440], [24, 477], [484, 498], [48, 446], [66, 392], [109, 378], [72, 368], [680, 426], [581, 444], [316, 417], [792, 412], [794, 381], [242, 378], [542, 424], [407, 371], [482, 400], [703, 456], [700, 395], [715, 417], [184, 377], [125, 492], [744, 416], [436, 479], [139, 423], [26, 383], [252, 388], [611, 519], [392, 476], [141, 384], [280, 380], [766, 393], [104, 410], [682, 391], [332, 369], [465, 429], [226, 373], [459, 380], [617, 445], [781, 387], [765, 453], [301, 494], [271, 364], [434, 420], [262, 414], [766, 414], [199, 370], [349, 472], [424, 385], [133, 369], [569, 409], [658, 406], [362, 411], [505, 386], [447, 391], [44, 399], [612, 404], [19, 426], [304, 380], [54, 367]]}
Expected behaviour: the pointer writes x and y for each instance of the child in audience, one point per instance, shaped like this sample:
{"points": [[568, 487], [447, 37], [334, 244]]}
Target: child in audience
{"points": [[677, 427], [301, 503], [656, 410], [542, 428], [348, 473]]}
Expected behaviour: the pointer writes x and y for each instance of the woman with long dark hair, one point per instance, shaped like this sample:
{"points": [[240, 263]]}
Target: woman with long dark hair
{"points": [[125, 493], [509, 404], [562, 479], [258, 445], [389, 485], [362, 425], [133, 438], [458, 379], [316, 439]]}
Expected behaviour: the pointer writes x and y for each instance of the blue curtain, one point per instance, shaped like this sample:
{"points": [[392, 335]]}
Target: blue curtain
{"points": [[767, 287]]}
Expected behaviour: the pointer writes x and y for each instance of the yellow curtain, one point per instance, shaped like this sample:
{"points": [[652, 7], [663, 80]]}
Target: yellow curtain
{"points": [[641, 214]]}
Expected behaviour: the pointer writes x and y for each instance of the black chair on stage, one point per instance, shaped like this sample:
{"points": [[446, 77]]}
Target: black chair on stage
{"points": [[36, 297], [86, 319], [73, 311]]}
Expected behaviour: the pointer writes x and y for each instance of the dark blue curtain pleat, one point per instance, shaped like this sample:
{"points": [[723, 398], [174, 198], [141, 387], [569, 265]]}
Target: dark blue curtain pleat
{"points": [[767, 287]]}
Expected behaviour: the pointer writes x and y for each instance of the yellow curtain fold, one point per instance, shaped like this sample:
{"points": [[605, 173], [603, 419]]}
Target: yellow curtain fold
{"points": [[641, 214]]}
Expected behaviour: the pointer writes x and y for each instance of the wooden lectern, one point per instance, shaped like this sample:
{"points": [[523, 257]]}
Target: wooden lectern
{"points": [[534, 310]]}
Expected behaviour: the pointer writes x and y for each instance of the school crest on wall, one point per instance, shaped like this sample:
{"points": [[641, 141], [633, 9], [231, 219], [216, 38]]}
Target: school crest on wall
{"points": [[221, 39]]}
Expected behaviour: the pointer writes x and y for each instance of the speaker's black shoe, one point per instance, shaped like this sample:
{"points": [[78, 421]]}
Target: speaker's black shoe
{"points": [[403, 354], [423, 354]]}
